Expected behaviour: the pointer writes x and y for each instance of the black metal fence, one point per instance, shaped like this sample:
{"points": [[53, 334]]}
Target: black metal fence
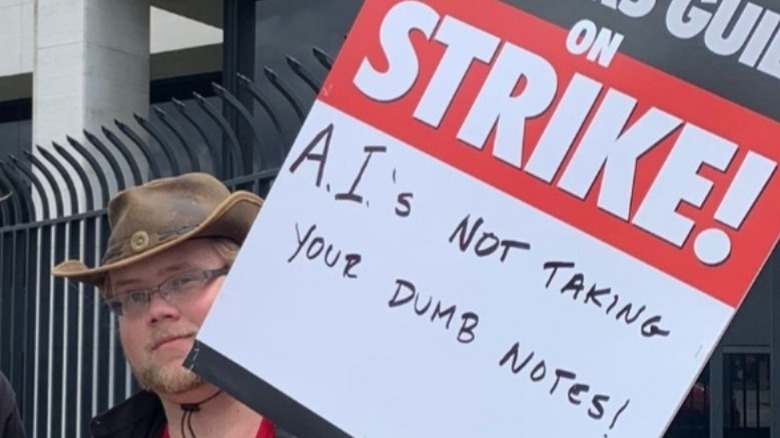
{"points": [[58, 345]]}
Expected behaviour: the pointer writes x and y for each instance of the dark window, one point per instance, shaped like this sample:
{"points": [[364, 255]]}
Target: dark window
{"points": [[747, 410], [15, 128]]}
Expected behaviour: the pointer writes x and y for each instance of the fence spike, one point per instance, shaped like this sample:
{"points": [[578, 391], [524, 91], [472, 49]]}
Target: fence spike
{"points": [[164, 146], [22, 191], [126, 154], [215, 154], [304, 74], [234, 148], [260, 98], [323, 57], [101, 175], [15, 213], [179, 134], [89, 194], [244, 113], [284, 89], [74, 206], [23, 170], [154, 169], [58, 202], [119, 176]]}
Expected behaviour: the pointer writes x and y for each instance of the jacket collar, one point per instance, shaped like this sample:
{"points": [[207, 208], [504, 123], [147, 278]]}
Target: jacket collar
{"points": [[142, 414]]}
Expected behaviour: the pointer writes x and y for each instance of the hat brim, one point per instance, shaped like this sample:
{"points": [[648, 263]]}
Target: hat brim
{"points": [[233, 218]]}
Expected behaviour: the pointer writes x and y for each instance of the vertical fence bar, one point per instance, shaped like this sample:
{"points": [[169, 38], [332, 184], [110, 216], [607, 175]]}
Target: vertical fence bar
{"points": [[85, 336], [27, 403], [70, 328], [4, 345], [102, 338], [12, 305], [17, 288], [4, 342], [22, 292], [9, 248], [57, 316], [42, 346]]}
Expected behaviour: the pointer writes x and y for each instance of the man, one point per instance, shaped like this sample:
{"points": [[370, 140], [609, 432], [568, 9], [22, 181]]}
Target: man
{"points": [[10, 422], [172, 242]]}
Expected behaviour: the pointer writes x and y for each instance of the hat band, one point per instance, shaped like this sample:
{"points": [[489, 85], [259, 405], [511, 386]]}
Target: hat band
{"points": [[141, 241]]}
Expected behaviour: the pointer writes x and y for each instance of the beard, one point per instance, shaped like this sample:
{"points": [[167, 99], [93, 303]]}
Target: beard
{"points": [[170, 379]]}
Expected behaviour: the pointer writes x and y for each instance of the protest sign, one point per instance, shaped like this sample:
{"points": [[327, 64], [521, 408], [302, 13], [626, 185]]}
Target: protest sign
{"points": [[493, 224]]}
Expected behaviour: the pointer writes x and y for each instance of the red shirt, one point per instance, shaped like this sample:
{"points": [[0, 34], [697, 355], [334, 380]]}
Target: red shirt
{"points": [[266, 430]]}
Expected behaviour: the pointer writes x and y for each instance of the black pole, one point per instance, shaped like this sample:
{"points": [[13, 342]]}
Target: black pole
{"points": [[238, 56]]}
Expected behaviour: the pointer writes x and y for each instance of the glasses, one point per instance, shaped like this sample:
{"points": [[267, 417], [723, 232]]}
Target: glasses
{"points": [[175, 290]]}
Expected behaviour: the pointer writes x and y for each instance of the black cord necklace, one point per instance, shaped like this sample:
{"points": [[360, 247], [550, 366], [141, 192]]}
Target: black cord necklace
{"points": [[191, 408]]}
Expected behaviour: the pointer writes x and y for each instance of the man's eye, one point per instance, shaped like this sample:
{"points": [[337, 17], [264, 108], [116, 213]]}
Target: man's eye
{"points": [[184, 281], [136, 297]]}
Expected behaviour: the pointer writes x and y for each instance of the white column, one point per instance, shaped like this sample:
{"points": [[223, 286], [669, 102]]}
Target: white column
{"points": [[91, 66], [16, 25]]}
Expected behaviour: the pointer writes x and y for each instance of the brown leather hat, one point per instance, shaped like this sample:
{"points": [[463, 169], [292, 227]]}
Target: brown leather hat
{"points": [[150, 218]]}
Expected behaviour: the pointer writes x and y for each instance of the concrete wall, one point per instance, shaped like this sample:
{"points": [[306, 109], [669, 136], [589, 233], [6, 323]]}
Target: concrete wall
{"points": [[172, 40], [16, 36], [91, 66], [93, 60]]}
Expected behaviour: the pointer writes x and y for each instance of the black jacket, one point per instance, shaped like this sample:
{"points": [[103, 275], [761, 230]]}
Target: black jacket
{"points": [[139, 416], [10, 422]]}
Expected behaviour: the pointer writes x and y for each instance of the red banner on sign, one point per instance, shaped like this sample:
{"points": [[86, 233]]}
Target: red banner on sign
{"points": [[654, 166]]}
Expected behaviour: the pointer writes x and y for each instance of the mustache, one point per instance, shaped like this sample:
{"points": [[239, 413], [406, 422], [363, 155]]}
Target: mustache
{"points": [[161, 335]]}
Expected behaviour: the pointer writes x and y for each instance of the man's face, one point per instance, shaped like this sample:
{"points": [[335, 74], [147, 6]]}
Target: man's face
{"points": [[157, 341]]}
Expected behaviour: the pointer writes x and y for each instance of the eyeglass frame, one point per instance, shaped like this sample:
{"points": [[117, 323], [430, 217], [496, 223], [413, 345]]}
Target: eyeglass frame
{"points": [[115, 305]]}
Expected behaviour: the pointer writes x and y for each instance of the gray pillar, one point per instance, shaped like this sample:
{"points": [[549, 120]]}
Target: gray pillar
{"points": [[91, 66]]}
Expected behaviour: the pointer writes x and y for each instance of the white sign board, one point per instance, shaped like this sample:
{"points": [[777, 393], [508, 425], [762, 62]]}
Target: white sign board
{"points": [[481, 232]]}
